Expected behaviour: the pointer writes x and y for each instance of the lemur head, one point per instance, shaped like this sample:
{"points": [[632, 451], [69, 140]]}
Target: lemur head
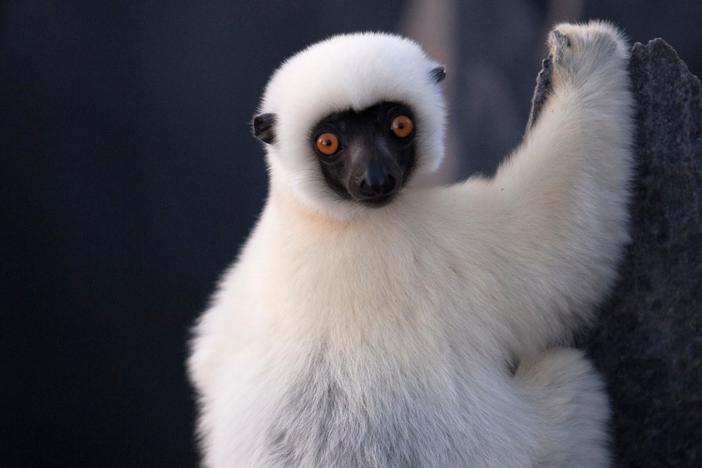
{"points": [[349, 120]]}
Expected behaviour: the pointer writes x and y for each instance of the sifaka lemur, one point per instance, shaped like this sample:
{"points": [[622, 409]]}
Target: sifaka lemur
{"points": [[370, 323]]}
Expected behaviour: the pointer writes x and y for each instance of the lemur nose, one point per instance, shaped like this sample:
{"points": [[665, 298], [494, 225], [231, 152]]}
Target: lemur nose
{"points": [[377, 181]]}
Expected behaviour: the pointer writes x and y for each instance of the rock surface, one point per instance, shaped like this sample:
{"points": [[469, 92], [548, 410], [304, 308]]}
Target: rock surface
{"points": [[648, 342]]}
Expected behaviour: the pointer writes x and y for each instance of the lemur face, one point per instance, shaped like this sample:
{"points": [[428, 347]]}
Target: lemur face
{"points": [[365, 156], [368, 155], [346, 122]]}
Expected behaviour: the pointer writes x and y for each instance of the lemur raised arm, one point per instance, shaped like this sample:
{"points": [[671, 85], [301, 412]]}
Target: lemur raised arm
{"points": [[555, 216], [369, 323]]}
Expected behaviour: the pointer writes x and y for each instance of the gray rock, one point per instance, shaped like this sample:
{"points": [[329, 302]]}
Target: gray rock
{"points": [[648, 342]]}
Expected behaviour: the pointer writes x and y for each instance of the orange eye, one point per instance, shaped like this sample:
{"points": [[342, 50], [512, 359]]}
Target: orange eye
{"points": [[401, 126], [327, 143]]}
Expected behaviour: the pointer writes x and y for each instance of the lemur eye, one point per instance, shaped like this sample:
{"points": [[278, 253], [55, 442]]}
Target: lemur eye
{"points": [[401, 126], [327, 143]]}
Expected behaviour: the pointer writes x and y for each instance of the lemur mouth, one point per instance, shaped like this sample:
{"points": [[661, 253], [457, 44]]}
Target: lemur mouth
{"points": [[379, 200]]}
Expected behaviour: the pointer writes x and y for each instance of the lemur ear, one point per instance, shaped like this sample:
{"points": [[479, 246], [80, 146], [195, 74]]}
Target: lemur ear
{"points": [[438, 74], [264, 127]]}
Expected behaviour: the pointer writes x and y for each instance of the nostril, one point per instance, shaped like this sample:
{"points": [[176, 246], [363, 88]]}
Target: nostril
{"points": [[363, 187]]}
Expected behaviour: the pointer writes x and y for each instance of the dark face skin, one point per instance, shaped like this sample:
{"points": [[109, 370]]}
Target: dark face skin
{"points": [[372, 161]]}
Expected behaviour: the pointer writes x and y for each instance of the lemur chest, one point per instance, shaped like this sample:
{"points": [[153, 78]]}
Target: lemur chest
{"points": [[383, 277], [365, 346]]}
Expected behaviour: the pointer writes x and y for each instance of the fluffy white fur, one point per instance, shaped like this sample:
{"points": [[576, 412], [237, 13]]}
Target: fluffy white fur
{"points": [[348, 336]]}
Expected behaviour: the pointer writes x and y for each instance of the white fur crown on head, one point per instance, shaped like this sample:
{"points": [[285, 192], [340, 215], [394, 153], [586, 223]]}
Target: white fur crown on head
{"points": [[350, 72]]}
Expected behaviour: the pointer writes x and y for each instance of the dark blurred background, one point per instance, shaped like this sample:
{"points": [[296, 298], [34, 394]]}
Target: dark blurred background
{"points": [[129, 180]]}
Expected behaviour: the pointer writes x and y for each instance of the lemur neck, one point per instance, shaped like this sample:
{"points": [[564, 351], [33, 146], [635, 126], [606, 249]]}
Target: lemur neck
{"points": [[293, 210]]}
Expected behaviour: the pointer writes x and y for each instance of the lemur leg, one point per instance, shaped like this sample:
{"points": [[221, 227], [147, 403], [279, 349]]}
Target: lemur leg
{"points": [[569, 396]]}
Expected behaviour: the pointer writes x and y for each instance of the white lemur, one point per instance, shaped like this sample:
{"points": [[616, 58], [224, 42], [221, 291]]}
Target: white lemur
{"points": [[367, 323]]}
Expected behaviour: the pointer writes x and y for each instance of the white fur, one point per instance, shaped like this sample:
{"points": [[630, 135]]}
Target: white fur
{"points": [[347, 336]]}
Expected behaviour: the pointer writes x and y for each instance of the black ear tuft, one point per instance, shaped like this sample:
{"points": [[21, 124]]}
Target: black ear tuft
{"points": [[264, 127], [438, 74]]}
